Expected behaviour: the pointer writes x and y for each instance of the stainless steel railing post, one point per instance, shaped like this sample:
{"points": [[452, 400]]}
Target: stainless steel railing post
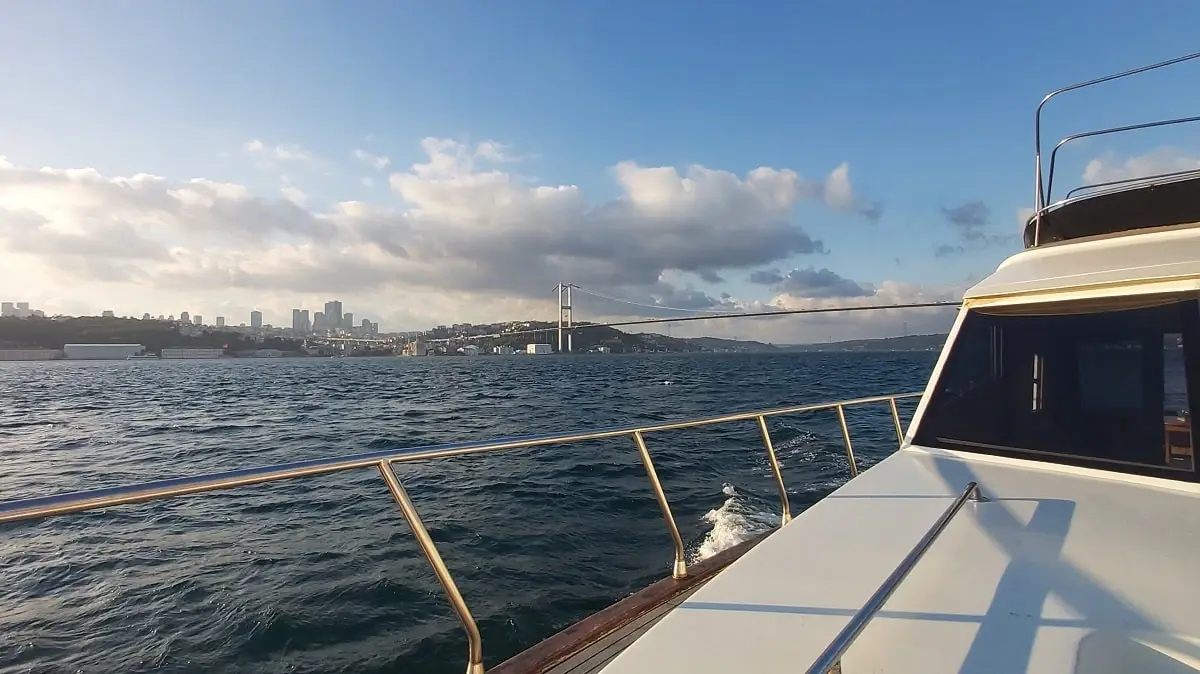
{"points": [[679, 570], [783, 497], [474, 640], [896, 420], [846, 438]]}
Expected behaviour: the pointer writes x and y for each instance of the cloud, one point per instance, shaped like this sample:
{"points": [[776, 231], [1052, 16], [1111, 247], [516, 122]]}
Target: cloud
{"points": [[470, 242], [374, 161], [970, 218], [1023, 215], [839, 194], [766, 277], [294, 194], [821, 283], [971, 222], [498, 153], [811, 283], [1109, 167], [281, 153]]}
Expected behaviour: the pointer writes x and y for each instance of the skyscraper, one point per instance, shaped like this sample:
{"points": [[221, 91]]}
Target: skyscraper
{"points": [[300, 324], [333, 314], [348, 321], [256, 319], [318, 323], [197, 320], [184, 317], [220, 321]]}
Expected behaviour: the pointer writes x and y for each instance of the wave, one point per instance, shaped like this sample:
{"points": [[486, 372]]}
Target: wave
{"points": [[736, 521]]}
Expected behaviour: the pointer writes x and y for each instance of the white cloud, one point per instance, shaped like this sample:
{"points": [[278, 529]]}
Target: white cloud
{"points": [[374, 161], [281, 153], [472, 242], [496, 152], [1109, 167], [839, 195], [294, 194]]}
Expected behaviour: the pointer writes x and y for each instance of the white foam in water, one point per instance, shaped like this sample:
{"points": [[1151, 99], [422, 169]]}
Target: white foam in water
{"points": [[734, 522]]}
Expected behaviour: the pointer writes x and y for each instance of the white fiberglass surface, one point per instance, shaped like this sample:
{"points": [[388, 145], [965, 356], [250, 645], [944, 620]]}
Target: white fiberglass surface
{"points": [[1163, 255], [1059, 567]]}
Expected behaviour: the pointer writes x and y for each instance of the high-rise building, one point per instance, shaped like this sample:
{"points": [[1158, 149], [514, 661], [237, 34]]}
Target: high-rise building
{"points": [[333, 314], [197, 320], [348, 321], [145, 317], [8, 309], [220, 321], [256, 319], [319, 322], [300, 324], [185, 317]]}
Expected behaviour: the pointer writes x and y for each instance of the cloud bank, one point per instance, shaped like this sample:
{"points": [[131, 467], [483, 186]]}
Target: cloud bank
{"points": [[469, 241]]}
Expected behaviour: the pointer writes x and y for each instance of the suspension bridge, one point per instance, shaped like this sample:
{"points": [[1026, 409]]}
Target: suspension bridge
{"points": [[567, 326]]}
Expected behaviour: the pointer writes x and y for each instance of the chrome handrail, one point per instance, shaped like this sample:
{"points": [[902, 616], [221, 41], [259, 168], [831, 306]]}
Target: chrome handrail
{"points": [[1104, 132], [1125, 183], [831, 658], [75, 502], [1039, 195]]}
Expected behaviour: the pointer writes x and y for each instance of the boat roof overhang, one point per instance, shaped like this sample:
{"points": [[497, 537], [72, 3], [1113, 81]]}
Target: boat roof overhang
{"points": [[1164, 260]]}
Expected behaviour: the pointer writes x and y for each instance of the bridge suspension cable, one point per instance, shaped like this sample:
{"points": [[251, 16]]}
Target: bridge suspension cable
{"points": [[708, 317], [642, 304]]}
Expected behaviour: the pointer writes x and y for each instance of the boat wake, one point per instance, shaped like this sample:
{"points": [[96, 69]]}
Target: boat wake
{"points": [[736, 521]]}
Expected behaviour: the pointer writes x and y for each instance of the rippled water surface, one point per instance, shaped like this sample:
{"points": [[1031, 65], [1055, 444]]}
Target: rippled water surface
{"points": [[322, 574]]}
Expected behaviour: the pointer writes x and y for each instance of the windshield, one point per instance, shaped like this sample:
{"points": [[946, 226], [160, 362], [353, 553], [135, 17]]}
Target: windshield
{"points": [[1078, 385]]}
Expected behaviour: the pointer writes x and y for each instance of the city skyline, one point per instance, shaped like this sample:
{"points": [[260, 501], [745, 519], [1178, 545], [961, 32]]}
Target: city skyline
{"points": [[257, 318]]}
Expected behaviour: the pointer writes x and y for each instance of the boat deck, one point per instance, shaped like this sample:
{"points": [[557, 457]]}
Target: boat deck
{"points": [[595, 656], [589, 645], [1061, 570]]}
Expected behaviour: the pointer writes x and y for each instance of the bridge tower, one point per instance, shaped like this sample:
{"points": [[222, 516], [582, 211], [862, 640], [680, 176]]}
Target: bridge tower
{"points": [[565, 319]]}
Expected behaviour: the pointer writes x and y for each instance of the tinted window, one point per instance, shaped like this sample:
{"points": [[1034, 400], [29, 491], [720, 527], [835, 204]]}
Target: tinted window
{"points": [[1106, 389]]}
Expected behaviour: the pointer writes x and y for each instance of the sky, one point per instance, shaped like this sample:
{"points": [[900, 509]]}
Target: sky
{"points": [[434, 163]]}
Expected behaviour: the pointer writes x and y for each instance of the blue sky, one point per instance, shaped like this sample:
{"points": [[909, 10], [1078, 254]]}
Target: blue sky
{"points": [[930, 103]]}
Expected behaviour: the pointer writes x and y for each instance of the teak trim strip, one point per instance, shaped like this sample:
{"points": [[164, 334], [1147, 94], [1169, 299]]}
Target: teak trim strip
{"points": [[556, 649]]}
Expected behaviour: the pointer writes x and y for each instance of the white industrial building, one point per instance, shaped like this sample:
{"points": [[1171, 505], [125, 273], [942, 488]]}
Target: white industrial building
{"points": [[538, 349], [503, 351], [30, 354], [178, 354], [101, 351], [416, 348]]}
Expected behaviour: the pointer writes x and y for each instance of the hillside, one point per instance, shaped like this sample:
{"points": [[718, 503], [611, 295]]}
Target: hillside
{"points": [[588, 337], [53, 333], [907, 343], [718, 344]]}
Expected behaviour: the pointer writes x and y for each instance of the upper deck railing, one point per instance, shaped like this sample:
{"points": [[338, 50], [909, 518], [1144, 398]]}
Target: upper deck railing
{"points": [[1042, 190], [63, 504]]}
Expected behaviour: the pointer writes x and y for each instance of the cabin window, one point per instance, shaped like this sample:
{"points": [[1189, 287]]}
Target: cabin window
{"points": [[1103, 387]]}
